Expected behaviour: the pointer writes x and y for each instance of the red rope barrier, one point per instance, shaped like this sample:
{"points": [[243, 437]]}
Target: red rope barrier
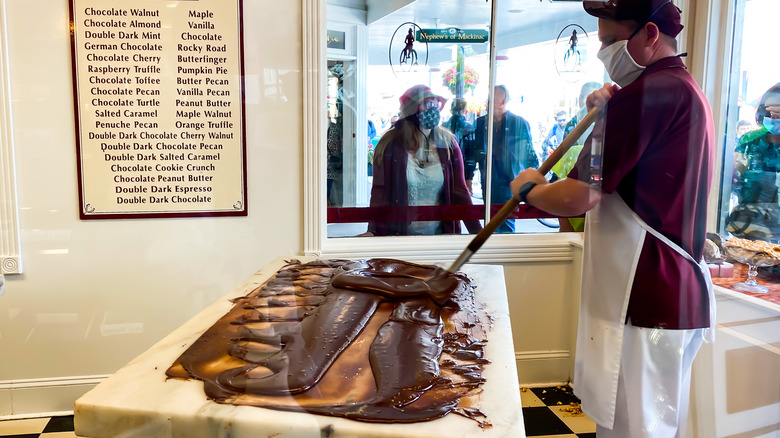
{"points": [[342, 215]]}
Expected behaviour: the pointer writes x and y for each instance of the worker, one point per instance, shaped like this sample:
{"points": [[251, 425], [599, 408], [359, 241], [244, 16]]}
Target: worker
{"points": [[647, 303]]}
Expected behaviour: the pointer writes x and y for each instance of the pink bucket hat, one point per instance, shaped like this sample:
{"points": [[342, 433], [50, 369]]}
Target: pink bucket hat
{"points": [[413, 97]]}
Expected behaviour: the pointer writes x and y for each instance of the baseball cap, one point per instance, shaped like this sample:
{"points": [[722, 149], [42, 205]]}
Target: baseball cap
{"points": [[413, 97], [663, 13]]}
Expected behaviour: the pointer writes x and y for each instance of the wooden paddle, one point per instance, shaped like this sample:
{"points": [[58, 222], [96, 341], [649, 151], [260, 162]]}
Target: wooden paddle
{"points": [[512, 204]]}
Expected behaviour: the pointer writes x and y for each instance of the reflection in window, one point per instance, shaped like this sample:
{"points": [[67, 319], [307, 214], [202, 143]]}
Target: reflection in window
{"points": [[749, 200], [513, 151], [444, 46], [547, 66], [418, 163], [335, 142]]}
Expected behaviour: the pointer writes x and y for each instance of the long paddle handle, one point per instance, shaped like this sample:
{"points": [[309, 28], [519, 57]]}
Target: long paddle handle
{"points": [[512, 204]]}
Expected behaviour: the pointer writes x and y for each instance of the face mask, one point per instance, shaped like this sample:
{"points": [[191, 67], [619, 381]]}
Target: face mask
{"points": [[772, 125], [620, 66], [429, 118]]}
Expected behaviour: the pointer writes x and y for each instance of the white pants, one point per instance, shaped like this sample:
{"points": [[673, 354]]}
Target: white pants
{"points": [[654, 385]]}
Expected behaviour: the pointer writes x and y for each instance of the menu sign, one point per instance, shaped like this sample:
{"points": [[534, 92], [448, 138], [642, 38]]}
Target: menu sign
{"points": [[159, 101]]}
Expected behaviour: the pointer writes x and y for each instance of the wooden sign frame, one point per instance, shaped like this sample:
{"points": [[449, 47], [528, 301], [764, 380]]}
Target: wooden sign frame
{"points": [[158, 91]]}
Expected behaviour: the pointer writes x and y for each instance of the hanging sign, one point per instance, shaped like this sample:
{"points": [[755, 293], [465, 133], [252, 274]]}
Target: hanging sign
{"points": [[571, 53], [336, 39], [159, 103], [452, 35], [411, 57]]}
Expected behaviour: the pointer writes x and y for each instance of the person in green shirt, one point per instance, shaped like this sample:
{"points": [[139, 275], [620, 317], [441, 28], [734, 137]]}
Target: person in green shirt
{"points": [[564, 166], [757, 173]]}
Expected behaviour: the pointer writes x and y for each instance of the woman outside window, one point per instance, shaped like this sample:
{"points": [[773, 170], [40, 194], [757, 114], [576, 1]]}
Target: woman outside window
{"points": [[418, 163]]}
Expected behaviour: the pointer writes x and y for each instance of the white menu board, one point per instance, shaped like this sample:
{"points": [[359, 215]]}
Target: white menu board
{"points": [[158, 89]]}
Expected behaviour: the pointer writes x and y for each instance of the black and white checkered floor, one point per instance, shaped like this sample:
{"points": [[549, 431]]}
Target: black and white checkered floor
{"points": [[547, 411]]}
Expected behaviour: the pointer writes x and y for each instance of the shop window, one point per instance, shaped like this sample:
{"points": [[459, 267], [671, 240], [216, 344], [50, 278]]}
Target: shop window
{"points": [[393, 178], [751, 171]]}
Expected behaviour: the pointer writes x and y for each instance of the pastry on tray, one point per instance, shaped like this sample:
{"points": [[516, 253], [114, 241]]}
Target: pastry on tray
{"points": [[754, 252]]}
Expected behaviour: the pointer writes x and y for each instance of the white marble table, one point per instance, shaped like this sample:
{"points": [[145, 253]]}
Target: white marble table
{"points": [[138, 401]]}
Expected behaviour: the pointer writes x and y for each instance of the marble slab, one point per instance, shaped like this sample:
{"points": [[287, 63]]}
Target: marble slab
{"points": [[138, 401]]}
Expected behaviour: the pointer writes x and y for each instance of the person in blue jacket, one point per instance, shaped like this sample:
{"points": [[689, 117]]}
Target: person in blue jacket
{"points": [[513, 151]]}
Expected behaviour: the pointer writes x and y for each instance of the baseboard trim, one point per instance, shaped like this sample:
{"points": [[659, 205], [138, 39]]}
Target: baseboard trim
{"points": [[35, 415], [544, 385], [44, 397], [543, 368], [52, 382], [542, 355]]}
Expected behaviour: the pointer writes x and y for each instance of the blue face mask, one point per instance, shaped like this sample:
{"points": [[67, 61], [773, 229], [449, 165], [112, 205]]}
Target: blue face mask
{"points": [[772, 125]]}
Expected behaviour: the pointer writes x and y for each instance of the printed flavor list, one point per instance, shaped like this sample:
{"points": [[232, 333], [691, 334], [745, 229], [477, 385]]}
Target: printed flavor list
{"points": [[159, 105]]}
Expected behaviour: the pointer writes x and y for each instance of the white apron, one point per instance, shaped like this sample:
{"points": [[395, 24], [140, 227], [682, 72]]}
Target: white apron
{"points": [[614, 236]]}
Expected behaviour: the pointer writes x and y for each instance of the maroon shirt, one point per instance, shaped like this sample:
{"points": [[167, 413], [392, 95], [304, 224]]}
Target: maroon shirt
{"points": [[658, 156]]}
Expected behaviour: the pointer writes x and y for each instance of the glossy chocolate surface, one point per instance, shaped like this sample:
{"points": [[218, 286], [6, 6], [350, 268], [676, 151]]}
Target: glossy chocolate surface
{"points": [[375, 340]]}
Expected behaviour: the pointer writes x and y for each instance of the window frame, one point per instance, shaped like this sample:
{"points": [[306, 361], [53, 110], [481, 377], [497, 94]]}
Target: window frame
{"points": [[712, 27], [10, 228], [707, 36]]}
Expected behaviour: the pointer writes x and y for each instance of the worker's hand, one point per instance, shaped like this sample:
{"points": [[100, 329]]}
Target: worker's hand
{"points": [[468, 186], [524, 177], [366, 234], [600, 97]]}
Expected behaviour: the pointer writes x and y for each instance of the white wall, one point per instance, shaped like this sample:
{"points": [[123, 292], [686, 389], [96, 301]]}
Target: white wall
{"points": [[96, 293], [543, 301]]}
